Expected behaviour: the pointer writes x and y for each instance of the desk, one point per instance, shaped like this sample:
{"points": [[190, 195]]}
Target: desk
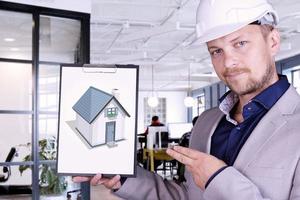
{"points": [[157, 154]]}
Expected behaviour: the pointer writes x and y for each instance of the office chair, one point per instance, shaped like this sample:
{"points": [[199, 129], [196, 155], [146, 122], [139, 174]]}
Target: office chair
{"points": [[164, 139], [11, 189], [73, 191], [6, 169]]}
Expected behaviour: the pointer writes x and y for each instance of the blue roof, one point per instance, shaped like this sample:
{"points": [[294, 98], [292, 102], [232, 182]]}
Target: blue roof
{"points": [[92, 103]]}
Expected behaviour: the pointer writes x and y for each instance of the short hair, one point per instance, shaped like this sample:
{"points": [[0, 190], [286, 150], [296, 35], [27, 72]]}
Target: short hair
{"points": [[194, 120], [155, 118], [266, 29]]}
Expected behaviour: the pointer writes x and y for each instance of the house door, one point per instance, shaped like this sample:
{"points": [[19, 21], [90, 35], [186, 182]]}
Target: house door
{"points": [[110, 131]]}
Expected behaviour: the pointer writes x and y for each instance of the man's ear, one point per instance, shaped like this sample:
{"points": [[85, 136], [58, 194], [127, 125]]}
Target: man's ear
{"points": [[274, 41]]}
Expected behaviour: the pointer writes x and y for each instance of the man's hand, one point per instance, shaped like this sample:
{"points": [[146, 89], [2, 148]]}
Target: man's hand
{"points": [[201, 165], [110, 183]]}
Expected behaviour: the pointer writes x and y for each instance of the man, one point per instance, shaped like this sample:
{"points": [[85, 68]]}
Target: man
{"points": [[154, 122], [248, 148]]}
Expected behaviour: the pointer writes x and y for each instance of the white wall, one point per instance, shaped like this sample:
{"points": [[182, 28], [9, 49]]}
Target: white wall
{"points": [[176, 111], [84, 128], [78, 5]]}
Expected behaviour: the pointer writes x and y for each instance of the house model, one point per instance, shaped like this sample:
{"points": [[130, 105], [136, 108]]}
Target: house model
{"points": [[100, 117]]}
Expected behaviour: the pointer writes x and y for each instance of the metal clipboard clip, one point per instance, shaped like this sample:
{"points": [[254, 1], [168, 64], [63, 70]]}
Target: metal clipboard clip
{"points": [[99, 68]]}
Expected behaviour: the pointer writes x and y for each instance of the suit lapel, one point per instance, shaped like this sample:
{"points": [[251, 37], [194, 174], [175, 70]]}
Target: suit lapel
{"points": [[209, 136], [263, 132], [269, 125], [203, 130]]}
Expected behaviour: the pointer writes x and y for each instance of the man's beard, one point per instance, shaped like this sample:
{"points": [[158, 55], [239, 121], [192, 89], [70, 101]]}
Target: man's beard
{"points": [[254, 85]]}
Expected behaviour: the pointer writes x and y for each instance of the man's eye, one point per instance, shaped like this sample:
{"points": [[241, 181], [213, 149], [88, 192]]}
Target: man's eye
{"points": [[216, 52], [241, 43]]}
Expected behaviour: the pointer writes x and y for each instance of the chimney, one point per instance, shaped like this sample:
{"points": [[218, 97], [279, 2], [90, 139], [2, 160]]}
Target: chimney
{"points": [[115, 93]]}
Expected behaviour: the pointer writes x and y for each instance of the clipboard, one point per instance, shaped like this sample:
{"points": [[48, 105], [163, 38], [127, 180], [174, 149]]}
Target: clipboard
{"points": [[97, 124]]}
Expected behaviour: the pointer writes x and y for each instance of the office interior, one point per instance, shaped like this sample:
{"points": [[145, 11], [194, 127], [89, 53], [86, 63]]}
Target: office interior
{"points": [[176, 78]]}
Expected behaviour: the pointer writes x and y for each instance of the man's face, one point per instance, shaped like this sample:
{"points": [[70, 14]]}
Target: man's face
{"points": [[244, 59]]}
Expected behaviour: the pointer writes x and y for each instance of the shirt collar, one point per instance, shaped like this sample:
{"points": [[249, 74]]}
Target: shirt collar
{"points": [[267, 98], [270, 95], [228, 100]]}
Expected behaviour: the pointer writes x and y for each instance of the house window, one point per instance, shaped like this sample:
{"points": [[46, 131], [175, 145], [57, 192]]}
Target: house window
{"points": [[112, 112]]}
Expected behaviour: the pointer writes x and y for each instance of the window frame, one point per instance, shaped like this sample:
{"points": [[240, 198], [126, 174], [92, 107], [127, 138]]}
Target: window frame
{"points": [[84, 57], [111, 112]]}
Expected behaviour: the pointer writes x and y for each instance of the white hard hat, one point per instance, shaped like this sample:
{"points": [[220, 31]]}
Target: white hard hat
{"points": [[217, 18]]}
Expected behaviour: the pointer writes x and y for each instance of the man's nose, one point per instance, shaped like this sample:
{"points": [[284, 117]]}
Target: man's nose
{"points": [[230, 59]]}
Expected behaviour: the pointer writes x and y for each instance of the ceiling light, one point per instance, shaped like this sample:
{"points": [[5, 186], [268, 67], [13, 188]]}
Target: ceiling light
{"points": [[14, 49], [152, 101], [189, 101], [126, 25], [9, 39], [145, 55], [209, 74]]}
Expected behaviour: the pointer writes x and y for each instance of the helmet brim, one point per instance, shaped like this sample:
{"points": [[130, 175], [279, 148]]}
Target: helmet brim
{"points": [[219, 31]]}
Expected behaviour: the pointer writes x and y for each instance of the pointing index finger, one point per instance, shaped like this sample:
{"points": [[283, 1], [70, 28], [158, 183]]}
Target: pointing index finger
{"points": [[191, 153], [180, 157]]}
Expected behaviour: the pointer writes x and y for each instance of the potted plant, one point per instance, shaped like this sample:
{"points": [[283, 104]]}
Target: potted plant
{"points": [[49, 182]]}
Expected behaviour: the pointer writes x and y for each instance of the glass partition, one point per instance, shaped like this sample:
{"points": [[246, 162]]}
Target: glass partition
{"points": [[49, 88], [29, 89], [59, 39], [16, 35], [15, 86], [17, 182], [16, 132]]}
